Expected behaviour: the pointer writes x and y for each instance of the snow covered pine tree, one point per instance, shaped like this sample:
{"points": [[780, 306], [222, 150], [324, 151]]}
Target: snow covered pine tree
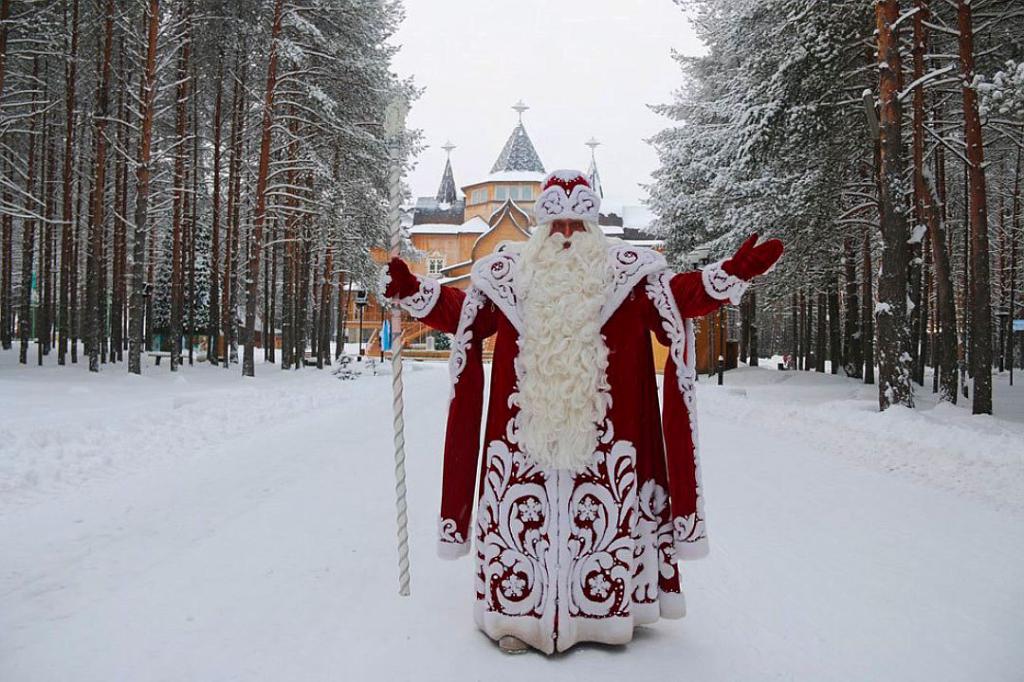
{"points": [[587, 498]]}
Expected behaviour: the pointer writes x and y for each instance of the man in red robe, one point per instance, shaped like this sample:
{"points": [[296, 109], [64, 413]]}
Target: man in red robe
{"points": [[588, 498]]}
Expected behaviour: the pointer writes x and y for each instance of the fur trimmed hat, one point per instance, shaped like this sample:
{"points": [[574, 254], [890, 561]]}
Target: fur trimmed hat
{"points": [[566, 195]]}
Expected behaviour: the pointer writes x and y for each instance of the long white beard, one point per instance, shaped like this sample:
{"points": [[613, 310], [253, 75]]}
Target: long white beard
{"points": [[563, 358]]}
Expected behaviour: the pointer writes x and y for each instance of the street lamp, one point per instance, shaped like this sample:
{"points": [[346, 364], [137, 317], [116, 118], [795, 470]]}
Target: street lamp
{"points": [[361, 299]]}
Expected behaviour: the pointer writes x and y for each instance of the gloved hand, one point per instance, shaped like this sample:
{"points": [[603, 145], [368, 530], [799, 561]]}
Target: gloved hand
{"points": [[749, 261], [401, 282]]}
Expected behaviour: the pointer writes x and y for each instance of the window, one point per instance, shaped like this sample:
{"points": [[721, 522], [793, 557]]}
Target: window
{"points": [[501, 192], [522, 192], [434, 265], [478, 196]]}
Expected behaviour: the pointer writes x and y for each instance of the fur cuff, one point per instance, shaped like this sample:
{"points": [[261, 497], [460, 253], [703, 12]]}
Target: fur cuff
{"points": [[450, 544], [672, 605], [423, 301], [722, 286], [688, 551], [691, 542], [452, 550]]}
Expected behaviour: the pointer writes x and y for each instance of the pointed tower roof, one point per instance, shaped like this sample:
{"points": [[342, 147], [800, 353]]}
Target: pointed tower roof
{"points": [[592, 174], [446, 193], [518, 154]]}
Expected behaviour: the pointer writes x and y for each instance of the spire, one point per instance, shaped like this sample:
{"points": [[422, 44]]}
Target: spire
{"points": [[446, 193], [518, 154], [592, 174]]}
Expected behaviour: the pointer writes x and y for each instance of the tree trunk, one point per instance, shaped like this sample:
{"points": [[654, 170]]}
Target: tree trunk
{"points": [[867, 317], [67, 231], [256, 243], [981, 307], [752, 357], [819, 344], [237, 137], [834, 337], [894, 386], [139, 293], [214, 330], [854, 361], [28, 227], [924, 337], [795, 330], [179, 204], [94, 263], [7, 266]]}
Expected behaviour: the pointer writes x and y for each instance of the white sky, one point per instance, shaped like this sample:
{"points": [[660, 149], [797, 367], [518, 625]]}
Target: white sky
{"points": [[583, 73]]}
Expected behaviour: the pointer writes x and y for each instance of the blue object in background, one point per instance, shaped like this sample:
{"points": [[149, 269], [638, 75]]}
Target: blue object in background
{"points": [[385, 335]]}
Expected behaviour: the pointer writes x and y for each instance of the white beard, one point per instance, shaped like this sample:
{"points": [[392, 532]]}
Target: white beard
{"points": [[563, 358]]}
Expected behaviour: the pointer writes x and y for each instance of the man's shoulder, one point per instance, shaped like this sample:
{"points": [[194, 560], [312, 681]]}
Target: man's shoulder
{"points": [[626, 259]]}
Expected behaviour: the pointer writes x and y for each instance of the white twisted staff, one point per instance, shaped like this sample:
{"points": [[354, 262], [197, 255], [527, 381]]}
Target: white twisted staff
{"points": [[394, 123]]}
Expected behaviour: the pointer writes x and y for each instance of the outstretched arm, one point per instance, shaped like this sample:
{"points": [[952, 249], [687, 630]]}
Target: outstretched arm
{"points": [[424, 298], [703, 292]]}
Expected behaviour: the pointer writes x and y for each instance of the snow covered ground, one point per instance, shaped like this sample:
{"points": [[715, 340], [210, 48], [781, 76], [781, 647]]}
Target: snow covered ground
{"points": [[205, 527]]}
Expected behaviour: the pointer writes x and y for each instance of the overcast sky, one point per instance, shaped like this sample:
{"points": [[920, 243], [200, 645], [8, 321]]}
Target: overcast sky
{"points": [[582, 72]]}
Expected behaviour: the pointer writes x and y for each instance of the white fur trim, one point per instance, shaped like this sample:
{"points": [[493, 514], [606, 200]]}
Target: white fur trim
{"points": [[689, 534], [672, 605], [495, 275], [423, 301], [450, 551], [722, 286], [450, 543], [628, 264], [554, 204], [689, 550], [471, 305]]}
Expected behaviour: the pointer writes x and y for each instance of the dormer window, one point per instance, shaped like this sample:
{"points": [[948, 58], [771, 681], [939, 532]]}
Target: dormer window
{"points": [[435, 264]]}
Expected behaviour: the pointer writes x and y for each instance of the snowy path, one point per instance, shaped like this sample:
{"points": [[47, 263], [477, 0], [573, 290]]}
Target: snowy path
{"points": [[267, 553]]}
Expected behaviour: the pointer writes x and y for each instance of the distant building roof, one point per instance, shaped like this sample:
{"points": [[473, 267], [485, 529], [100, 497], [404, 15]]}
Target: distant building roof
{"points": [[475, 225], [518, 154], [431, 211], [514, 176], [447, 192]]}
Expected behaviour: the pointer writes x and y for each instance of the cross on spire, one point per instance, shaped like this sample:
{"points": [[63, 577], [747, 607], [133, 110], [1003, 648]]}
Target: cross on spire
{"points": [[520, 107], [592, 174]]}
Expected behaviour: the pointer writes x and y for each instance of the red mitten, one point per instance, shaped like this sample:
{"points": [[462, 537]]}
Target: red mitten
{"points": [[400, 281], [753, 259]]}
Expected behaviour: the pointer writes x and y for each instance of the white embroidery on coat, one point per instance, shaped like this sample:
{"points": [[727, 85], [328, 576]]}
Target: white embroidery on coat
{"points": [[722, 286], [423, 301], [471, 305], [628, 264], [690, 528], [495, 277], [447, 532]]}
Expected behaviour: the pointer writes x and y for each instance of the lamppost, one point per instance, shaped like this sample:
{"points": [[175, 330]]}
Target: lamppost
{"points": [[697, 259], [361, 298]]}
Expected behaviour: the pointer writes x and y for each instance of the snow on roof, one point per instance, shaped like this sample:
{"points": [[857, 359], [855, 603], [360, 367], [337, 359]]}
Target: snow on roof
{"points": [[513, 176], [518, 154], [475, 225], [612, 230]]}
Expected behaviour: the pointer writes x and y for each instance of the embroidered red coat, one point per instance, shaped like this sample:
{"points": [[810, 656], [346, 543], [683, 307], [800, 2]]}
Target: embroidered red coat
{"points": [[564, 557]]}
